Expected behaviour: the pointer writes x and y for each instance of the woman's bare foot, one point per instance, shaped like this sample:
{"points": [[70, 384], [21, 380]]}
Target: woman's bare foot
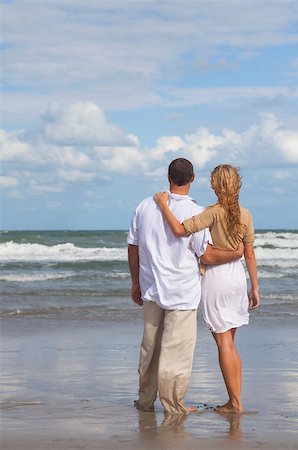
{"points": [[229, 407], [191, 409]]}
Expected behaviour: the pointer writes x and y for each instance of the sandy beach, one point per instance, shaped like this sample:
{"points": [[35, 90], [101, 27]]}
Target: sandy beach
{"points": [[70, 384]]}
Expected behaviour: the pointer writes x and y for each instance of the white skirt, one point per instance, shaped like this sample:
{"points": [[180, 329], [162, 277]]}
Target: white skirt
{"points": [[224, 301]]}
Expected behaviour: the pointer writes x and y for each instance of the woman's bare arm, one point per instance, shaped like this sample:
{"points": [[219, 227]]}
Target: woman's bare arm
{"points": [[216, 256], [161, 199], [251, 265]]}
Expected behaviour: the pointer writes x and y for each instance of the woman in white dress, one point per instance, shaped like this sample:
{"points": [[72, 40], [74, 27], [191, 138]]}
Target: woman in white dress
{"points": [[224, 302]]}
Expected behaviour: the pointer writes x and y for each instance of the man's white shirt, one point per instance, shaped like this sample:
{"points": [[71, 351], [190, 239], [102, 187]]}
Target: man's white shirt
{"points": [[169, 271]]}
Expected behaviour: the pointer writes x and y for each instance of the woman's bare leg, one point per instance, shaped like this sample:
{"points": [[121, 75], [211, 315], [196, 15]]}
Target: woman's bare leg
{"points": [[230, 364], [238, 359]]}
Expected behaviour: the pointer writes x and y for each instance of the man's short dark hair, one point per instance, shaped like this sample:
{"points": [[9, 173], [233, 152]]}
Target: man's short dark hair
{"points": [[180, 171]]}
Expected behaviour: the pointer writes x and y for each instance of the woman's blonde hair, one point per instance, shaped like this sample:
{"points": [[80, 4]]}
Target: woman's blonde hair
{"points": [[226, 183]]}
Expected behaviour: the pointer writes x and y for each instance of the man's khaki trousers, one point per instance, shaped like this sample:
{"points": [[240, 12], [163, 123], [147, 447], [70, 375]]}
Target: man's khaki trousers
{"points": [[166, 357]]}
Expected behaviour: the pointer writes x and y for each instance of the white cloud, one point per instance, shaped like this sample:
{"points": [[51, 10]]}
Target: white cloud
{"points": [[268, 143], [82, 123], [121, 160], [75, 176], [13, 148], [39, 187], [166, 145], [287, 140], [186, 78], [202, 146], [68, 157], [264, 144], [117, 53], [282, 175], [282, 142], [182, 97], [8, 181]]}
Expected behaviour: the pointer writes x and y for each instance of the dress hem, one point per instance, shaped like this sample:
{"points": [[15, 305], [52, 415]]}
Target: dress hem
{"points": [[228, 328]]}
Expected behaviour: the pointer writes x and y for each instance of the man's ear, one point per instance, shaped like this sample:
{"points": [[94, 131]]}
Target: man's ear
{"points": [[192, 178]]}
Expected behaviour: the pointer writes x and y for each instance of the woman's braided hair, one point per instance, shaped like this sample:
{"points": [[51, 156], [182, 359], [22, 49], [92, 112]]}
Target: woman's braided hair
{"points": [[226, 183]]}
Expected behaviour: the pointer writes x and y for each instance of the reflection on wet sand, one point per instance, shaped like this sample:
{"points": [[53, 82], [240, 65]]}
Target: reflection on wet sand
{"points": [[234, 422], [171, 432], [70, 384]]}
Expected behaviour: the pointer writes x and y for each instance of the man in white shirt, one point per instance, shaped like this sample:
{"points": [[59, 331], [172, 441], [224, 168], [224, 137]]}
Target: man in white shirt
{"points": [[166, 282]]}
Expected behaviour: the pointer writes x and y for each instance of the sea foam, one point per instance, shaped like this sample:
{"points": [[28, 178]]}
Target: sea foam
{"points": [[27, 277], [12, 251], [270, 247]]}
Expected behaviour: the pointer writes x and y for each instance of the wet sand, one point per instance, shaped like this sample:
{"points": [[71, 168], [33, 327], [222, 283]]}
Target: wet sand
{"points": [[70, 384]]}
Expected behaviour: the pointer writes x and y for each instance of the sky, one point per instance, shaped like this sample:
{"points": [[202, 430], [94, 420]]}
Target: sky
{"points": [[99, 96]]}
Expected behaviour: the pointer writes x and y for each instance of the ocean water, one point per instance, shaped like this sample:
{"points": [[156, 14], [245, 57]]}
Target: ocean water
{"points": [[85, 274]]}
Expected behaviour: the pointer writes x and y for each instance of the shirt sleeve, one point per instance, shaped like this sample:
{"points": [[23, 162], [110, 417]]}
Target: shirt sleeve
{"points": [[133, 233], [200, 240], [249, 235], [200, 221]]}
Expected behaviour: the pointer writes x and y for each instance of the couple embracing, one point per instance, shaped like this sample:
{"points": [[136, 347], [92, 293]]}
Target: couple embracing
{"points": [[180, 255]]}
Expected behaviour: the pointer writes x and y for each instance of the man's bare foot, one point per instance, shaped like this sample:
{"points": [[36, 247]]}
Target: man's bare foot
{"points": [[141, 408], [191, 409], [229, 407]]}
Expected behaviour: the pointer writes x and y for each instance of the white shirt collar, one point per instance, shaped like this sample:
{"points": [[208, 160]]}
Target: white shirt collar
{"points": [[180, 196]]}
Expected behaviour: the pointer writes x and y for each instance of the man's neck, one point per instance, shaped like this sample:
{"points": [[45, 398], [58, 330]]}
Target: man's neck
{"points": [[181, 190]]}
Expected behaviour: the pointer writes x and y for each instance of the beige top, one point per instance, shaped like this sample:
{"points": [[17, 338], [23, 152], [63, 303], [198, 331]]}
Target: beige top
{"points": [[214, 218]]}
